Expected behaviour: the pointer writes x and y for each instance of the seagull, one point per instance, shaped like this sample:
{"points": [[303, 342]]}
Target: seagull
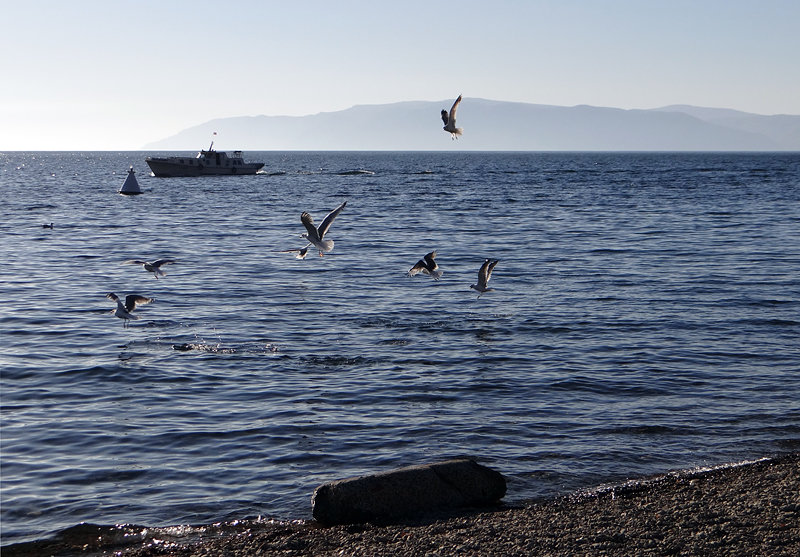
{"points": [[124, 311], [427, 265], [154, 267], [450, 120], [315, 235], [50, 226], [484, 274]]}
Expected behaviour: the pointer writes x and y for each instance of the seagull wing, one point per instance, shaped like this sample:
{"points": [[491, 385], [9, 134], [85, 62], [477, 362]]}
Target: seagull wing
{"points": [[328, 220], [489, 270], [135, 262], [429, 261], [483, 275], [308, 222], [112, 296], [420, 267], [132, 300], [452, 118], [160, 262], [445, 117]]}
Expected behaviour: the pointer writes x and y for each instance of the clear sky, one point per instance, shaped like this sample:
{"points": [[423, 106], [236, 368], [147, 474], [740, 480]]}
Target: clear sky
{"points": [[116, 74]]}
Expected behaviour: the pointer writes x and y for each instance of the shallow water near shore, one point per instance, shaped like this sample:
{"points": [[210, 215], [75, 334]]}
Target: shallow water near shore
{"points": [[645, 317]]}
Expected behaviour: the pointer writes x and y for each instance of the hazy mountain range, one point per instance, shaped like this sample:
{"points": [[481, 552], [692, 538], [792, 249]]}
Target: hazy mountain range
{"points": [[499, 126]]}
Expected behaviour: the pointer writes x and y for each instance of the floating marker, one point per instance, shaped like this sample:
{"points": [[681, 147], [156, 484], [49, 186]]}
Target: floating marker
{"points": [[131, 185]]}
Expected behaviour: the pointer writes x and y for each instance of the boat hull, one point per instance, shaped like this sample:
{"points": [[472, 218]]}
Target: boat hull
{"points": [[164, 168]]}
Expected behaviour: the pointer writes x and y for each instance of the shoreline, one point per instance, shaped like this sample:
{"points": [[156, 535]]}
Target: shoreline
{"points": [[746, 509]]}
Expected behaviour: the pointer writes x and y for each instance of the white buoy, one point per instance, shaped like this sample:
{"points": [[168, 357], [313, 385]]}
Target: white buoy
{"points": [[131, 185]]}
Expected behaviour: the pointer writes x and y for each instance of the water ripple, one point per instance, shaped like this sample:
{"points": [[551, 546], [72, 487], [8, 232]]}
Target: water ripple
{"points": [[644, 317]]}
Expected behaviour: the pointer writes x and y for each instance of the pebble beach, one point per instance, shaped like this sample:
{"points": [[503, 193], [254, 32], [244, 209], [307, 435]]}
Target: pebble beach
{"points": [[745, 509]]}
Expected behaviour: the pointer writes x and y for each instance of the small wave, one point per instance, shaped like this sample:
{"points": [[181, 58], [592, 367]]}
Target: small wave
{"points": [[609, 250], [202, 347], [267, 348], [104, 371], [111, 476], [356, 173], [771, 322], [647, 430], [336, 361], [603, 387], [97, 537], [40, 207], [771, 302], [91, 537], [638, 485], [395, 342]]}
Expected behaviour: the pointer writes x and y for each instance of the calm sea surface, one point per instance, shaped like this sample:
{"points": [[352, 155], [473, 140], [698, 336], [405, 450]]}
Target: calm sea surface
{"points": [[645, 318]]}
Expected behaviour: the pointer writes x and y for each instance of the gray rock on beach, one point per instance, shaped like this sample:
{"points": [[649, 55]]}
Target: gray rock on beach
{"points": [[407, 491]]}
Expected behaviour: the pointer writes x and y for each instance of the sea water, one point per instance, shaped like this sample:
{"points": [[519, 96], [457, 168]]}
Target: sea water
{"points": [[645, 317]]}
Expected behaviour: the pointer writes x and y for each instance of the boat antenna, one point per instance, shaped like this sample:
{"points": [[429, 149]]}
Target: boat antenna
{"points": [[211, 147]]}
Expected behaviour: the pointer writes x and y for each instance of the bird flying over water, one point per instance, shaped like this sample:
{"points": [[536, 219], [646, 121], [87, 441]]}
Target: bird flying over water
{"points": [[154, 267], [484, 274], [316, 235], [125, 311], [427, 265], [450, 120]]}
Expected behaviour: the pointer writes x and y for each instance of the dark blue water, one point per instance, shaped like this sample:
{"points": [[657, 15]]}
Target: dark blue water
{"points": [[645, 317]]}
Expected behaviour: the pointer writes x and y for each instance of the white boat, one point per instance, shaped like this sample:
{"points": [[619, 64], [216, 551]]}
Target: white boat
{"points": [[207, 163]]}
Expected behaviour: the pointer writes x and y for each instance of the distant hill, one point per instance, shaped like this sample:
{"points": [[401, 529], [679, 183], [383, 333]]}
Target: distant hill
{"points": [[500, 126]]}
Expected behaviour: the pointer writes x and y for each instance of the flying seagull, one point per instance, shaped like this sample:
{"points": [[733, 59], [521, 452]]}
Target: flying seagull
{"points": [[450, 120], [484, 274], [125, 311], [315, 235], [427, 265], [154, 267]]}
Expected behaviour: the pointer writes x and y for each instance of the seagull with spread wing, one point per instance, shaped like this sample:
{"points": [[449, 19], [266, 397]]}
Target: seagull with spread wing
{"points": [[484, 274], [154, 267], [316, 235], [125, 311], [428, 266], [450, 120]]}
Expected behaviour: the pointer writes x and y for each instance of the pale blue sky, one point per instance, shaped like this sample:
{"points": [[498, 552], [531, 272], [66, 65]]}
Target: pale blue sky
{"points": [[114, 74]]}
